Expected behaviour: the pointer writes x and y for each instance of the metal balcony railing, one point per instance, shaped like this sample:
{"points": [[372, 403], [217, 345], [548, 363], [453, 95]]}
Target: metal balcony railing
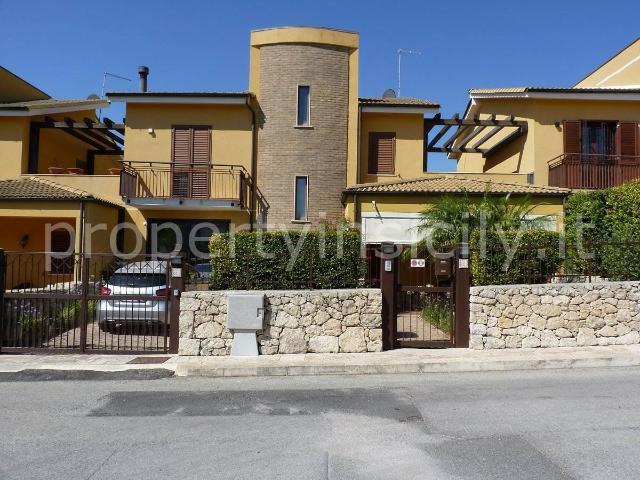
{"points": [[168, 180], [592, 171]]}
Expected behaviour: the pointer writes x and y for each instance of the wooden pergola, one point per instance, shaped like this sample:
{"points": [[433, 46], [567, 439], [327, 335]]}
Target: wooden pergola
{"points": [[470, 135], [104, 138]]}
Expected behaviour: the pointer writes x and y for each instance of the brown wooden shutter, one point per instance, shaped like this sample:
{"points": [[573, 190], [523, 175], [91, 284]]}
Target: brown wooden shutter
{"points": [[572, 136], [382, 146], [627, 139], [201, 156], [180, 159]]}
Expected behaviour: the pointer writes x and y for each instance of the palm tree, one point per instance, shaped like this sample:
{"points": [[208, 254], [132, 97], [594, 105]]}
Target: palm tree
{"points": [[453, 218]]}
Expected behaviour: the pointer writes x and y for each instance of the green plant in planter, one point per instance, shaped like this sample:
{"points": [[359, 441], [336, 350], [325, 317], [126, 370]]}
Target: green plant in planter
{"points": [[437, 312]]}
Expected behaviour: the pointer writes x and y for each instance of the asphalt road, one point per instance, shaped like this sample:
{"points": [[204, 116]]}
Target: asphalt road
{"points": [[513, 425]]}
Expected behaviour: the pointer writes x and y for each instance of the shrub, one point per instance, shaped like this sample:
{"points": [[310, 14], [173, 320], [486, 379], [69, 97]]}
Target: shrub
{"points": [[611, 241], [530, 256], [327, 258]]}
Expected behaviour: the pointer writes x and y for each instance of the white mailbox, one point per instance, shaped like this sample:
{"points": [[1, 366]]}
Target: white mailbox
{"points": [[245, 316]]}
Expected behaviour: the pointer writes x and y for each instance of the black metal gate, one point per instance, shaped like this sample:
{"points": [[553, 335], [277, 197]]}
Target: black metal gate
{"points": [[425, 297], [425, 307], [94, 303]]}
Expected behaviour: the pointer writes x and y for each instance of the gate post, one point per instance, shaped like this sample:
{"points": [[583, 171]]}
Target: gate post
{"points": [[388, 282], [3, 273], [176, 280], [84, 259], [463, 283]]}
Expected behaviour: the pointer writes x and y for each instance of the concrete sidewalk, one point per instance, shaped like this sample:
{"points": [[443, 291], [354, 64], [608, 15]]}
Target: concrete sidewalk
{"points": [[395, 361]]}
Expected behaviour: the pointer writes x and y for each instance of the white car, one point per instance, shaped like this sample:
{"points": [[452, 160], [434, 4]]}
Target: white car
{"points": [[137, 279]]}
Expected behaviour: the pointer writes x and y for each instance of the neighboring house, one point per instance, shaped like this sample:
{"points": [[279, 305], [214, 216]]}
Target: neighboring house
{"points": [[582, 137], [51, 173]]}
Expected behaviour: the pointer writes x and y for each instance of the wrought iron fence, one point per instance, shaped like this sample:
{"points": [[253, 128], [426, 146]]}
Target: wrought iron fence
{"points": [[97, 302]]}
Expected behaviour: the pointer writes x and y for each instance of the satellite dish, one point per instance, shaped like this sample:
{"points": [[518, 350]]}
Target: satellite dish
{"points": [[93, 96], [389, 93]]}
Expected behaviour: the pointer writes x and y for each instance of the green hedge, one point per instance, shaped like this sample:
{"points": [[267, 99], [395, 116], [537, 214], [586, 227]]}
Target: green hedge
{"points": [[612, 240], [237, 263], [536, 259]]}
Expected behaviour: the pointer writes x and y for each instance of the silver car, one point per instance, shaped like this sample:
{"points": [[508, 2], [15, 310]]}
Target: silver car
{"points": [[144, 279]]}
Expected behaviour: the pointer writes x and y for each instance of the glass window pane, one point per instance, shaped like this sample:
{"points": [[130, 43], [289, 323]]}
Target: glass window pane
{"points": [[303, 105], [301, 198]]}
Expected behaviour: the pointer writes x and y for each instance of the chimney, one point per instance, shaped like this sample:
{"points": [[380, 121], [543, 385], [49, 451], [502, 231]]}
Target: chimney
{"points": [[143, 71]]}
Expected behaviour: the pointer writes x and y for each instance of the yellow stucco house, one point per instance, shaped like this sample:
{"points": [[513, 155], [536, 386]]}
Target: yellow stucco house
{"points": [[581, 137], [298, 148]]}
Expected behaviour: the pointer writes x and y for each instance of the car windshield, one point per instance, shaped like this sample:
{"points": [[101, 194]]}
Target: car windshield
{"points": [[203, 267], [139, 280]]}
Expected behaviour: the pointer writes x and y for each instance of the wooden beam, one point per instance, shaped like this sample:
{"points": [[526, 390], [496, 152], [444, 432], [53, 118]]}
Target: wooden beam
{"points": [[506, 141], [34, 147], [430, 125], [454, 137], [77, 135], [94, 135], [509, 122], [486, 137], [440, 134], [457, 150], [118, 127], [116, 138], [51, 123], [475, 132]]}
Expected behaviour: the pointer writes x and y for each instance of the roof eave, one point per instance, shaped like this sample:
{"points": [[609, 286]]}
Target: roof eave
{"points": [[32, 112], [411, 109], [181, 98]]}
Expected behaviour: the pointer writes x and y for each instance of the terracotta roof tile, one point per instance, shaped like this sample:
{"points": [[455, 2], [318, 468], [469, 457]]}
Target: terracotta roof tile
{"points": [[453, 184], [36, 188], [399, 102], [506, 90]]}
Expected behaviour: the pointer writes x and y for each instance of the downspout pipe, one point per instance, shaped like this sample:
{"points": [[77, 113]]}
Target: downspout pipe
{"points": [[254, 163]]}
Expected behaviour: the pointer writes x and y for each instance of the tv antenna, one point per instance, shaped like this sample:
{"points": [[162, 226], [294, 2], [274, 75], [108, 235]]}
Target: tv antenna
{"points": [[104, 83], [402, 51]]}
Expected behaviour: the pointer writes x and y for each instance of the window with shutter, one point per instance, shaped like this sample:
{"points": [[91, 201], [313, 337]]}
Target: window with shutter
{"points": [[191, 156], [201, 158], [628, 140], [572, 137], [382, 150]]}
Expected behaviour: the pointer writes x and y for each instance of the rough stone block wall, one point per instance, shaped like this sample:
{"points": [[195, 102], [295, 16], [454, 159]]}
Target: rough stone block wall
{"points": [[555, 315], [297, 321], [320, 151]]}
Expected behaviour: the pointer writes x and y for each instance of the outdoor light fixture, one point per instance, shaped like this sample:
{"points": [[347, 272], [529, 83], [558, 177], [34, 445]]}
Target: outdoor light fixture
{"points": [[151, 131], [24, 240]]}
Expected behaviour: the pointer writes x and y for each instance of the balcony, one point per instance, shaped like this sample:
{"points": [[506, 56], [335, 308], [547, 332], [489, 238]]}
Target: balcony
{"points": [[160, 185], [592, 171]]}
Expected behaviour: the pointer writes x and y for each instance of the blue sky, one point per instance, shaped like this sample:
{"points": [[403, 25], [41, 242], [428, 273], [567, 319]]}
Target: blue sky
{"points": [[64, 47]]}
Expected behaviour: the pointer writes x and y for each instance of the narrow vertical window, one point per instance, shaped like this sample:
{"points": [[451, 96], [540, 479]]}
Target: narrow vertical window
{"points": [[301, 199], [304, 97]]}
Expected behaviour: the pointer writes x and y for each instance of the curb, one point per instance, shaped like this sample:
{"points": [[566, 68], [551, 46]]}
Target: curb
{"points": [[442, 366]]}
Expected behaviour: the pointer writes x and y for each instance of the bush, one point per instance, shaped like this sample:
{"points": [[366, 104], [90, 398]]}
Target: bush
{"points": [[237, 262], [612, 239], [536, 258]]}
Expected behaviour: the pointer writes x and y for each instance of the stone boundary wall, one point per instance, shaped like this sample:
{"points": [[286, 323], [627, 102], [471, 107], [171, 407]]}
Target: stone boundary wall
{"points": [[554, 315], [297, 321]]}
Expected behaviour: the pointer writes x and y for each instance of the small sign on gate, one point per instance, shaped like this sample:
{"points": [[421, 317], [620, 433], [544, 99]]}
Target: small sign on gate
{"points": [[418, 262]]}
